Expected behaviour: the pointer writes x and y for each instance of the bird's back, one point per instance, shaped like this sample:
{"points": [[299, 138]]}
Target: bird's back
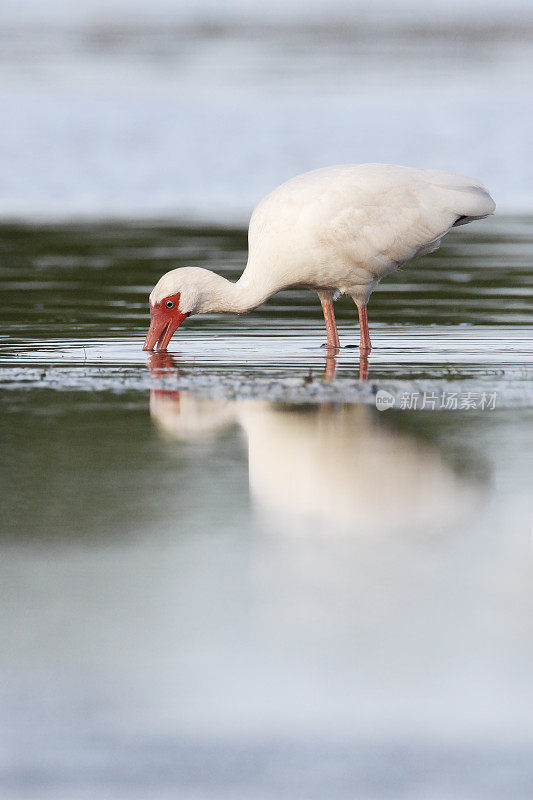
{"points": [[347, 226]]}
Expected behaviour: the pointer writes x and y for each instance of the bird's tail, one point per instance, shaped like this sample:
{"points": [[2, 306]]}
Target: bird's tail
{"points": [[465, 196]]}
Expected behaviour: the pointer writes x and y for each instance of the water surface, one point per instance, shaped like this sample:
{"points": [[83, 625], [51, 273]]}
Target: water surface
{"points": [[75, 300], [225, 573]]}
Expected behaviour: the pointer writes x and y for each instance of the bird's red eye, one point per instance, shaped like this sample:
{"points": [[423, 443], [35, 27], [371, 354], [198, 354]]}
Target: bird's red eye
{"points": [[169, 304]]}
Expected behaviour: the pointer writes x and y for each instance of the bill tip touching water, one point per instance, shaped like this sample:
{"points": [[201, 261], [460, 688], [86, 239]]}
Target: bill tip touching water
{"points": [[336, 230]]}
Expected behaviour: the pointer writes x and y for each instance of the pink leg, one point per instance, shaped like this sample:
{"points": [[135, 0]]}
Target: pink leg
{"points": [[326, 298], [365, 345]]}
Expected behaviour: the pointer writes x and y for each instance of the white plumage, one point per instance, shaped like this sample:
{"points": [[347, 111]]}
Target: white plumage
{"points": [[339, 228]]}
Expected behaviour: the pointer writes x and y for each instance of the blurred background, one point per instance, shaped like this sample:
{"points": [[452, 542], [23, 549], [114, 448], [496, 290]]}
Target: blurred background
{"points": [[194, 110]]}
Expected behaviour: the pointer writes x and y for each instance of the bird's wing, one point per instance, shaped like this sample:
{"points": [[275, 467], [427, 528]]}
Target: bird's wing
{"points": [[343, 223], [391, 220]]}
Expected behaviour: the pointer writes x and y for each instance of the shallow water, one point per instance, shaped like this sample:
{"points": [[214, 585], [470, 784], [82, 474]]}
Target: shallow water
{"points": [[226, 573]]}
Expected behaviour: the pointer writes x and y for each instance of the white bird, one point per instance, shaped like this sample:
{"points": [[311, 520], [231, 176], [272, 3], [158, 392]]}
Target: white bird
{"points": [[337, 230]]}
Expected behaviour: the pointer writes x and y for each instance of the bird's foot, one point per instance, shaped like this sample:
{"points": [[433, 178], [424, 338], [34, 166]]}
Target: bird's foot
{"points": [[362, 349]]}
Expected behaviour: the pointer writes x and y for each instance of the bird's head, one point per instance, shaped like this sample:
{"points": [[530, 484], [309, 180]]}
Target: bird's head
{"points": [[178, 294]]}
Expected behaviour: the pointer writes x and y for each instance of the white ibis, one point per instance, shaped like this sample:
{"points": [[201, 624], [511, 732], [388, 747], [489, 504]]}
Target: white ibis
{"points": [[337, 230]]}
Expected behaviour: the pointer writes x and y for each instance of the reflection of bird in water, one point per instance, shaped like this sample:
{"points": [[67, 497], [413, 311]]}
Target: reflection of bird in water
{"points": [[331, 366], [337, 230], [326, 466]]}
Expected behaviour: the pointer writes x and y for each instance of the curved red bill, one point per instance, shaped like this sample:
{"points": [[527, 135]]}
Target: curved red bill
{"points": [[163, 325]]}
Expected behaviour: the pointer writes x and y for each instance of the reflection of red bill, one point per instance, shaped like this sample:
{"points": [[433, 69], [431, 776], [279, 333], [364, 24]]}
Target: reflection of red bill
{"points": [[161, 363]]}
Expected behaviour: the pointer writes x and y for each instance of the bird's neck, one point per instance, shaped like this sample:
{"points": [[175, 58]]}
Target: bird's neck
{"points": [[237, 298]]}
